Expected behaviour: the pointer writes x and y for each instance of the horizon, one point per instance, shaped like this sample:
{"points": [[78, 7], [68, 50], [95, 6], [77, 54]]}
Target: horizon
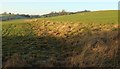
{"points": [[54, 11], [40, 8]]}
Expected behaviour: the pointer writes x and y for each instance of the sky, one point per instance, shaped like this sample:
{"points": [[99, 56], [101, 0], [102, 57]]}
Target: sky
{"points": [[39, 7]]}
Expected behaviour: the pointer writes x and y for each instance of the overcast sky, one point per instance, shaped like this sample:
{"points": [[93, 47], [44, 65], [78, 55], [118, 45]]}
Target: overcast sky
{"points": [[43, 6]]}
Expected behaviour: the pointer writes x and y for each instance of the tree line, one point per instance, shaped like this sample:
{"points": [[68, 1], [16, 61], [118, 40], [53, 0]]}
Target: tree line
{"points": [[10, 16], [63, 12]]}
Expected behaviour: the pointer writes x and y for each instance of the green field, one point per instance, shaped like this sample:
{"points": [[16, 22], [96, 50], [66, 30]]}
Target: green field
{"points": [[90, 17], [83, 39]]}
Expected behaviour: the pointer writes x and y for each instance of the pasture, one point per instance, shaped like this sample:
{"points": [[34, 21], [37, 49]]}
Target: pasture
{"points": [[87, 39]]}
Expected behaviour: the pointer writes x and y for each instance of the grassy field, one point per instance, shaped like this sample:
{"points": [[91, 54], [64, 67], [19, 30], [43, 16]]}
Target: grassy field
{"points": [[80, 40], [90, 17]]}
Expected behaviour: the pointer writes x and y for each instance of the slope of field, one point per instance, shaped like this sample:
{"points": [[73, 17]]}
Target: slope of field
{"points": [[79, 40], [90, 17]]}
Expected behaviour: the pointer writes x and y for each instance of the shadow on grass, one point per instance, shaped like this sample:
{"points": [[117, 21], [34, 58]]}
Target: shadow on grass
{"points": [[81, 50]]}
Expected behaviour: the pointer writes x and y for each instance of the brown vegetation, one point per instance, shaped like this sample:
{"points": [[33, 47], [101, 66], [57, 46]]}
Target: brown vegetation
{"points": [[68, 44]]}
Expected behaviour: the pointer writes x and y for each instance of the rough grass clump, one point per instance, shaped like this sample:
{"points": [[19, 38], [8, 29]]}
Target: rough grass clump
{"points": [[60, 42]]}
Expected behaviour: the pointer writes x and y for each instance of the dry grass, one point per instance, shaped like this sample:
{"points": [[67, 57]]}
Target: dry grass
{"points": [[96, 44], [15, 61], [55, 42]]}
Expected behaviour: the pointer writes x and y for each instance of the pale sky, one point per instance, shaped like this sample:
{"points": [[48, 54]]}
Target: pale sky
{"points": [[59, 0], [40, 7]]}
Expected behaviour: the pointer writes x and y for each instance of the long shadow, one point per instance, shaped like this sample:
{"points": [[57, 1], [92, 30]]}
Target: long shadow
{"points": [[52, 51]]}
